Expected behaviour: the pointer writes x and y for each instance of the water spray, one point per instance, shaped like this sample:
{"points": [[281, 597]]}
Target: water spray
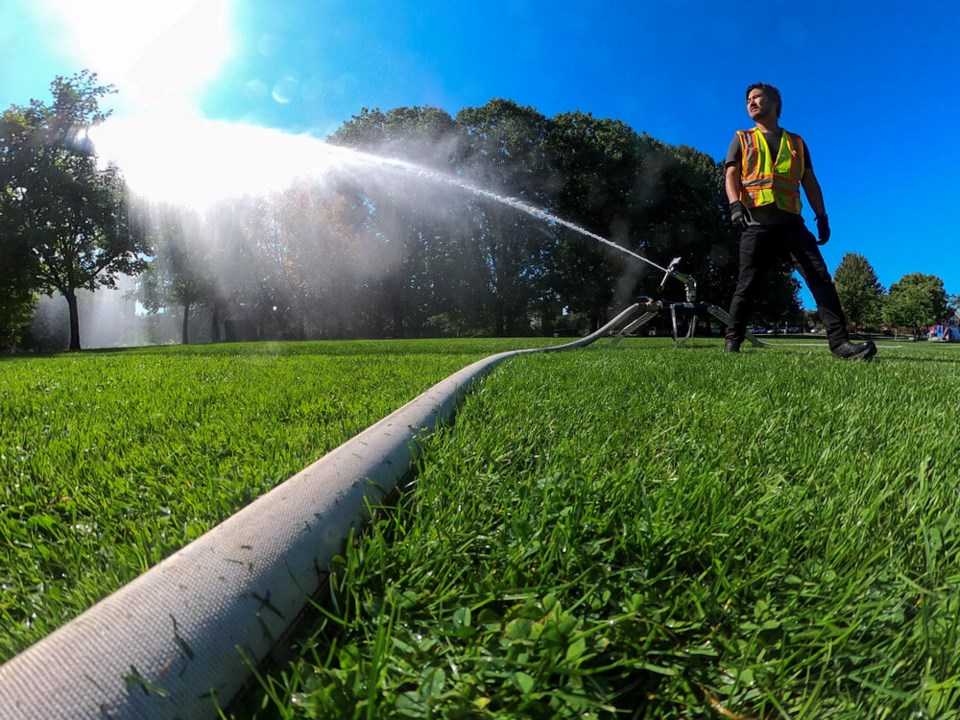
{"points": [[303, 156], [272, 159], [651, 306], [532, 210]]}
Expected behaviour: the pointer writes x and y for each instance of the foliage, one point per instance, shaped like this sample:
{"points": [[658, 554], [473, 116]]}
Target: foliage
{"points": [[73, 217], [915, 300], [599, 182], [503, 150], [18, 299], [496, 261], [16, 263], [180, 273], [596, 173], [426, 135], [778, 301], [404, 229], [860, 291]]}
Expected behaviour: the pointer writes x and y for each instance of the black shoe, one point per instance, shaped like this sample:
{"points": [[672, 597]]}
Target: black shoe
{"points": [[731, 345], [852, 351]]}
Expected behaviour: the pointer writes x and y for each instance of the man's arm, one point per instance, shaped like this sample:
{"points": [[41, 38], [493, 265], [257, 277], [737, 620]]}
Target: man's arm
{"points": [[731, 183], [811, 186], [815, 197]]}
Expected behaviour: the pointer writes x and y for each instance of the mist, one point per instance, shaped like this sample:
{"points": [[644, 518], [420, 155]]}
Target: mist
{"points": [[259, 234]]}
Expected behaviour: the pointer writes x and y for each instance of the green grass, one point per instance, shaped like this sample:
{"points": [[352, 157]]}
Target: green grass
{"points": [[621, 530], [645, 532], [110, 461]]}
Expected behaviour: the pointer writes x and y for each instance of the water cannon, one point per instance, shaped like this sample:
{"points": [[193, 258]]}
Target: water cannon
{"points": [[690, 285]]}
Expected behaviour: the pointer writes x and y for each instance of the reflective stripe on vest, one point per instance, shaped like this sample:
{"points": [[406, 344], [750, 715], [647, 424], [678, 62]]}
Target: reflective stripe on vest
{"points": [[765, 182]]}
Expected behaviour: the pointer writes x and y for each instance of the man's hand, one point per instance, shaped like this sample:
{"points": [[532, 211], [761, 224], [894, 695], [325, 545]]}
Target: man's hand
{"points": [[738, 216], [823, 229]]}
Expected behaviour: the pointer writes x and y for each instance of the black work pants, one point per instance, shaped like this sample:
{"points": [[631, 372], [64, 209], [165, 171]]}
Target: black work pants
{"points": [[760, 246]]}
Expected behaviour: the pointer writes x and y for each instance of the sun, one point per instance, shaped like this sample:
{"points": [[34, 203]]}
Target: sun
{"points": [[195, 162], [158, 53]]}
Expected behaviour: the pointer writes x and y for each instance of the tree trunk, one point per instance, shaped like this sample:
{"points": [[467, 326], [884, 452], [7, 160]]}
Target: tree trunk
{"points": [[185, 332], [74, 320], [215, 335], [499, 321], [395, 294], [398, 330], [299, 311]]}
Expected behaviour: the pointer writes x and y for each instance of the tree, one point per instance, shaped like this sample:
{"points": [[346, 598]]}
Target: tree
{"points": [[914, 301], [17, 304], [405, 225], [860, 291], [659, 200], [180, 272], [18, 299], [778, 302], [503, 151], [19, 296], [75, 219], [597, 166]]}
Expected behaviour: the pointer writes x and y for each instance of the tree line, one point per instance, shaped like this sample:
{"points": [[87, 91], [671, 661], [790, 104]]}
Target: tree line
{"points": [[914, 301], [374, 250]]}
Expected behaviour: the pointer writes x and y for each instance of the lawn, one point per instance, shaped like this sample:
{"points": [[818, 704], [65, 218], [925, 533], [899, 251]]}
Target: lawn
{"points": [[640, 531], [113, 460], [624, 529]]}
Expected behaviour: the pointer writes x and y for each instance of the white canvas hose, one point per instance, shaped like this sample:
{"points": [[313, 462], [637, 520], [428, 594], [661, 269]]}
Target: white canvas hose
{"points": [[179, 640]]}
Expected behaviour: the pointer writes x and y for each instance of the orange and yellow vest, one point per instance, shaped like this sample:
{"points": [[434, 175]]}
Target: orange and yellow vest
{"points": [[767, 180]]}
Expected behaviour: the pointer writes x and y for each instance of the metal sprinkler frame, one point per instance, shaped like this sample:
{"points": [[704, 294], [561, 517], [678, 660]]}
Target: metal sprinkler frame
{"points": [[652, 307]]}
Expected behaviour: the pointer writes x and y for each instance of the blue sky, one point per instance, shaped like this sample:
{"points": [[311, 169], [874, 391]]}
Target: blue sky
{"points": [[874, 87]]}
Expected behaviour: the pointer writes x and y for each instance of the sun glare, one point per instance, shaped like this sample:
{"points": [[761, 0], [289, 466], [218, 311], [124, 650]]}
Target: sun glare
{"points": [[195, 162], [158, 53]]}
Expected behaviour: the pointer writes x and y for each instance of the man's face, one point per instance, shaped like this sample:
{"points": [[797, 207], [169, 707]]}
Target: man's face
{"points": [[761, 107]]}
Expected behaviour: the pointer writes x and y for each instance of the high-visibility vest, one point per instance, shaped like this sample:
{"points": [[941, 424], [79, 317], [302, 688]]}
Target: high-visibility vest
{"points": [[765, 180]]}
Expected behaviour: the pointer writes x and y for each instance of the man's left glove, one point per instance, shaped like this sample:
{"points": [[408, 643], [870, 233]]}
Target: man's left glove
{"points": [[823, 229], [738, 216]]}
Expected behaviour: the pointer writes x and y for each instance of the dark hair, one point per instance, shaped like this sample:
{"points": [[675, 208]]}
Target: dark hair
{"points": [[770, 91]]}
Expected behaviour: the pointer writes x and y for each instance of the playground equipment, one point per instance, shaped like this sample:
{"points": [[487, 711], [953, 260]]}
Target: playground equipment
{"points": [[943, 333]]}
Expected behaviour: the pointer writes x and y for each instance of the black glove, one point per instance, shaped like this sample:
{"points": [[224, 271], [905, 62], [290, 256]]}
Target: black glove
{"points": [[823, 229], [738, 216]]}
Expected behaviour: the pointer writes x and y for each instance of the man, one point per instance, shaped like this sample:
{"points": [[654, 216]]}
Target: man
{"points": [[764, 171]]}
